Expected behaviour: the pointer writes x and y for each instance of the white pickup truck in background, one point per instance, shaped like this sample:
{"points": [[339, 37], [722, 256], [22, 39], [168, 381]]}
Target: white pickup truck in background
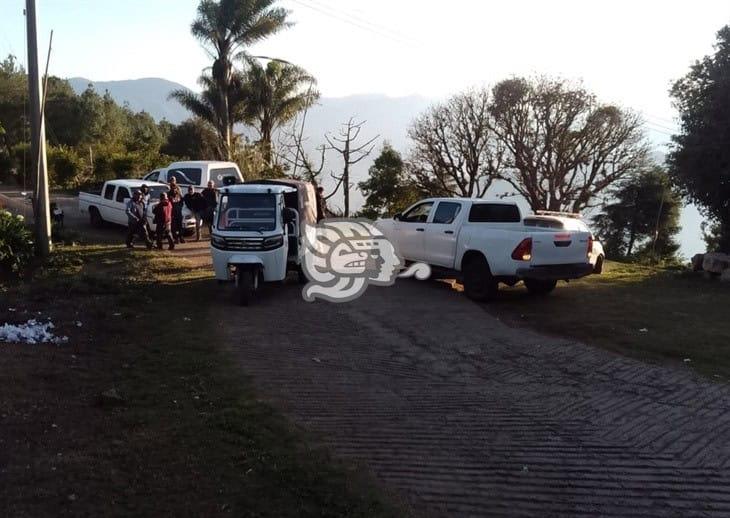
{"points": [[109, 203], [486, 243], [197, 174]]}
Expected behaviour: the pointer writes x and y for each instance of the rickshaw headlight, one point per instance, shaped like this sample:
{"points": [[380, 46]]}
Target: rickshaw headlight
{"points": [[273, 242]]}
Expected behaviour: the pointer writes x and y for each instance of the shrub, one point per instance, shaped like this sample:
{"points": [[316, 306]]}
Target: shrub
{"points": [[66, 167], [16, 243]]}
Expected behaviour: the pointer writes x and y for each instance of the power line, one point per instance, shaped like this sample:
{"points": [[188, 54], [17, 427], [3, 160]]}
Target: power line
{"points": [[364, 21], [355, 23]]}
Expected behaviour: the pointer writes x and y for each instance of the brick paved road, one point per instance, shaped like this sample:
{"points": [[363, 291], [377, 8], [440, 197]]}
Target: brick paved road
{"points": [[465, 416]]}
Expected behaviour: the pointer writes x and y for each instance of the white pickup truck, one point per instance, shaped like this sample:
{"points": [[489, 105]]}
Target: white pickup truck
{"points": [[109, 203], [197, 173], [486, 243]]}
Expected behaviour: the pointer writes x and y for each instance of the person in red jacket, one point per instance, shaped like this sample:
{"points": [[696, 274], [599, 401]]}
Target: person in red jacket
{"points": [[163, 221]]}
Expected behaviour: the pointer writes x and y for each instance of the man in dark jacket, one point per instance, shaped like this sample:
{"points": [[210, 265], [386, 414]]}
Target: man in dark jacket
{"points": [[196, 204], [175, 197], [136, 220], [163, 221], [211, 201]]}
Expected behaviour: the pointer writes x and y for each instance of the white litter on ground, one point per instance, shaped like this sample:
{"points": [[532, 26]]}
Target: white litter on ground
{"points": [[32, 332]]}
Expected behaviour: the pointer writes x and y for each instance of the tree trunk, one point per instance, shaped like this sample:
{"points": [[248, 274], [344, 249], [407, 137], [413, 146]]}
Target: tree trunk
{"points": [[346, 177]]}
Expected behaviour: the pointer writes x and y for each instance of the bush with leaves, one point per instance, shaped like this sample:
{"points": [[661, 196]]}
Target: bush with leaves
{"points": [[16, 243]]}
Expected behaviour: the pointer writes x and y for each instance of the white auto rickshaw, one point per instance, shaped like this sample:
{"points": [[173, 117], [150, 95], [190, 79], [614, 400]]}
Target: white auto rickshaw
{"points": [[257, 232]]}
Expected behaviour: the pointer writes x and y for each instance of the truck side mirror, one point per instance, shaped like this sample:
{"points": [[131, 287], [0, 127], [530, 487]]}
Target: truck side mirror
{"points": [[397, 216]]}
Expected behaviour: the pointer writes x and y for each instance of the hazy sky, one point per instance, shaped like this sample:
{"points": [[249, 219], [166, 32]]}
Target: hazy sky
{"points": [[626, 51]]}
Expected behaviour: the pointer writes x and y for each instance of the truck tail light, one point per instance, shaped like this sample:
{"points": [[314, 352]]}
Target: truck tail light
{"points": [[590, 245], [523, 252]]}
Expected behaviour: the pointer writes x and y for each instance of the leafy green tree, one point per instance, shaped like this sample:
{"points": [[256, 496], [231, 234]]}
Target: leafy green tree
{"points": [[387, 189], [193, 139], [273, 95], [700, 160], [207, 105], [226, 28], [643, 218]]}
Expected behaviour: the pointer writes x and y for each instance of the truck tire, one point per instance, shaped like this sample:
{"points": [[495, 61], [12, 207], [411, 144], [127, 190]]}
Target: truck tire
{"points": [[598, 267], [95, 218], [247, 280], [478, 281], [540, 287]]}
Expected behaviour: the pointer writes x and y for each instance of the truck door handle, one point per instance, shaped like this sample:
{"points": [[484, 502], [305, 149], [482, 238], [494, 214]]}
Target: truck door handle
{"points": [[419, 230], [448, 231]]}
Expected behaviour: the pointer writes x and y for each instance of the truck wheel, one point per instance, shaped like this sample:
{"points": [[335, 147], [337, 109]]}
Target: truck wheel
{"points": [[598, 267], [95, 218], [478, 281], [247, 282], [540, 287]]}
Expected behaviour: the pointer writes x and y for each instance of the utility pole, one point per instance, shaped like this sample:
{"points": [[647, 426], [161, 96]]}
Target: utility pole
{"points": [[42, 212]]}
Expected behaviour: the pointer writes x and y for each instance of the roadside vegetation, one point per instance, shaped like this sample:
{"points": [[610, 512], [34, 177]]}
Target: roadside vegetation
{"points": [[141, 412], [644, 311]]}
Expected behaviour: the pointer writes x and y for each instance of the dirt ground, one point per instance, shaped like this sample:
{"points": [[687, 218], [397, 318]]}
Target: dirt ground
{"points": [[468, 416]]}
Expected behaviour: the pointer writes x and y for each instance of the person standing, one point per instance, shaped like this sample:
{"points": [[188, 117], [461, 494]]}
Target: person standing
{"points": [[175, 197], [163, 222], [146, 196], [196, 204], [145, 193], [136, 221], [211, 201], [321, 204]]}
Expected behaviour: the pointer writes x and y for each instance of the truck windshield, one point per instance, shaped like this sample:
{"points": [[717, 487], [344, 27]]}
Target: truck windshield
{"points": [[247, 212]]}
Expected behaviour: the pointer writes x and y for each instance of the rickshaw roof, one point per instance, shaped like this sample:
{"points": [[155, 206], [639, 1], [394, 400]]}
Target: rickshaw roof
{"points": [[244, 188]]}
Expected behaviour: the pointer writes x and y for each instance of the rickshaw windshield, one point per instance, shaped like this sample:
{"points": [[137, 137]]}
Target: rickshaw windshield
{"points": [[247, 212]]}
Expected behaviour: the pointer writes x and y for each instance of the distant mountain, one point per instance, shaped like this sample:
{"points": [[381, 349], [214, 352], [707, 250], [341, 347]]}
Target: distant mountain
{"points": [[148, 94]]}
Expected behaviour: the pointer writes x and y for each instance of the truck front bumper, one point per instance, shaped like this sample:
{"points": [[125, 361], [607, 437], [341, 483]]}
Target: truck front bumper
{"points": [[555, 272]]}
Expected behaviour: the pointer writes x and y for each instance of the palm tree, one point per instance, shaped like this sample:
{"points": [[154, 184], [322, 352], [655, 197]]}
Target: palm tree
{"points": [[209, 106], [274, 95], [226, 28]]}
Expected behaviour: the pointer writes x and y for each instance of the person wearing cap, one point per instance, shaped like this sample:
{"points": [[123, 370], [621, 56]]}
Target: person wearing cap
{"points": [[163, 222], [136, 220]]}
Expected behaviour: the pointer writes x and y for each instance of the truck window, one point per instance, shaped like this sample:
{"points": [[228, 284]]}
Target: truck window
{"points": [[418, 214], [494, 213], [219, 175], [446, 212], [186, 175], [543, 223], [122, 193], [109, 191]]}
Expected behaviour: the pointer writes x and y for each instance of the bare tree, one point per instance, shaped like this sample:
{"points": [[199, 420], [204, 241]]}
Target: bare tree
{"points": [[291, 153], [352, 153], [455, 152], [564, 148]]}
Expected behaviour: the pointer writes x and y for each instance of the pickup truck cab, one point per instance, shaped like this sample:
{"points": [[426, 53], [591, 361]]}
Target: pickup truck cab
{"points": [[108, 203], [485, 243], [197, 174]]}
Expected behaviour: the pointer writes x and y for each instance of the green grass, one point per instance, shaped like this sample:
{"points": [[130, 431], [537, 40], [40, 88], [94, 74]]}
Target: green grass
{"points": [[191, 439], [684, 314]]}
